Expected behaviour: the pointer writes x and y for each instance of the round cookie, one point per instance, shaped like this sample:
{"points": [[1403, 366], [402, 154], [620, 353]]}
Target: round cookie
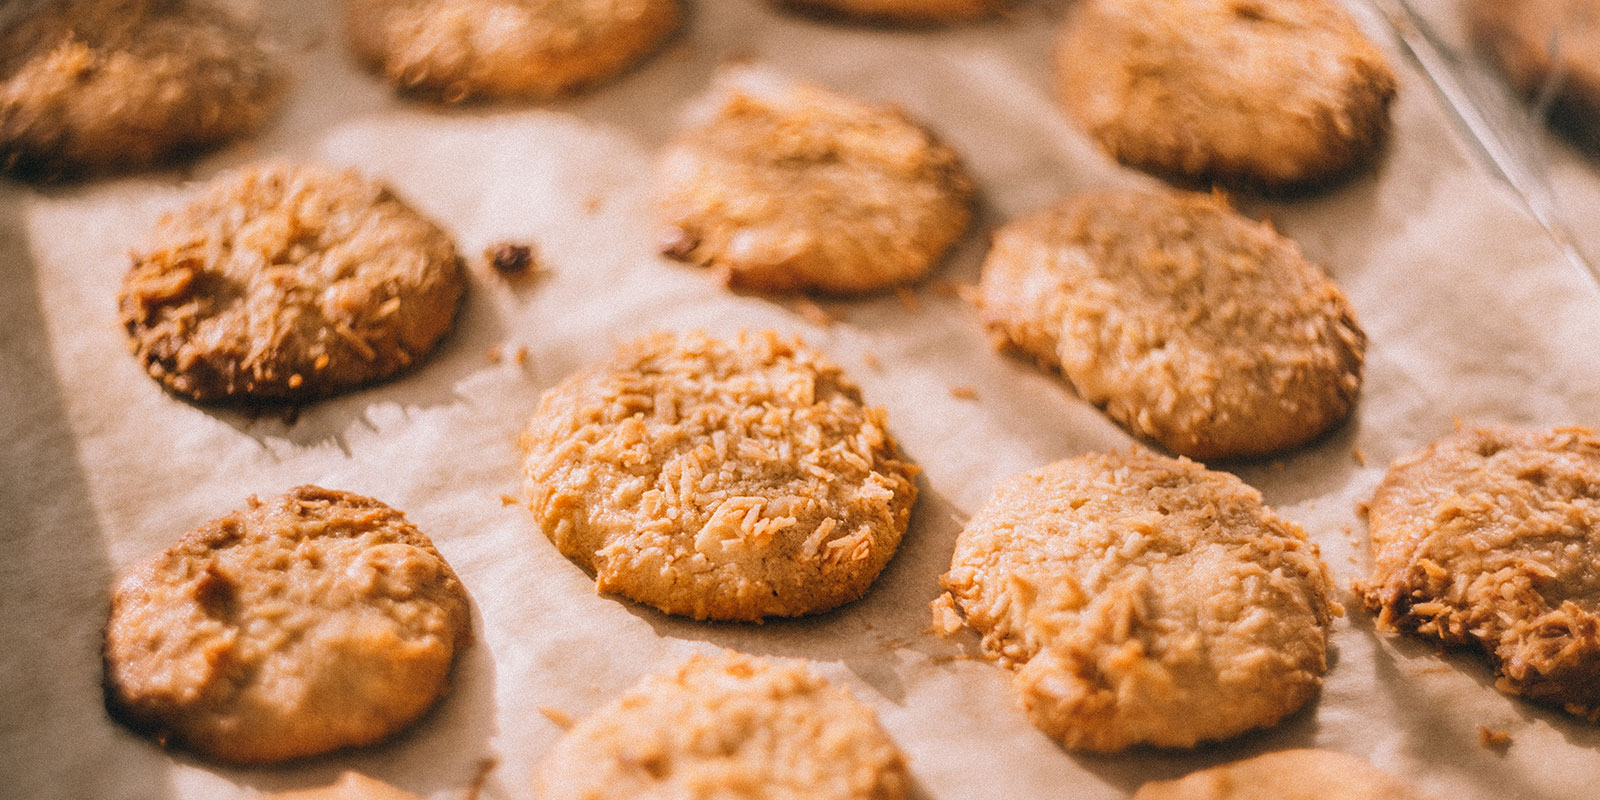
{"points": [[289, 283], [502, 49], [1285, 775], [912, 12], [728, 726], [1186, 321], [785, 186], [1490, 538], [1546, 46], [1276, 94], [302, 624], [1141, 600], [95, 85], [719, 480]]}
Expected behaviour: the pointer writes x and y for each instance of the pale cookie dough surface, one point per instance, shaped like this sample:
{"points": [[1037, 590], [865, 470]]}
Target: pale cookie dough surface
{"points": [[916, 12], [1141, 600], [1286, 775], [725, 480], [788, 186], [1187, 322], [94, 85], [497, 49], [350, 786], [1280, 95], [304, 623], [289, 283], [728, 726], [1490, 537], [1546, 46]]}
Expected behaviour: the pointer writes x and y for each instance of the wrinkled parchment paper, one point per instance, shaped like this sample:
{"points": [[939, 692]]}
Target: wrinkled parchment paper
{"points": [[1472, 316]]}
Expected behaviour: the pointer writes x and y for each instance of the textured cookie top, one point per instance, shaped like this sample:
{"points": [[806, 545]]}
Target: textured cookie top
{"points": [[302, 624], [289, 282], [1491, 537], [1141, 599], [1282, 94], [93, 85], [1546, 45], [788, 186], [460, 49], [1285, 775], [728, 726], [1187, 322], [723, 480]]}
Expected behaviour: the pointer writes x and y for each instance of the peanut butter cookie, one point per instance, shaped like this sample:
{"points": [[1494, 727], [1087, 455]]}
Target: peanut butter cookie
{"points": [[98, 85], [498, 49], [1186, 321], [1490, 538], [1141, 599], [787, 186], [1276, 94], [302, 624], [728, 726], [719, 480], [1285, 775], [289, 283], [1546, 46]]}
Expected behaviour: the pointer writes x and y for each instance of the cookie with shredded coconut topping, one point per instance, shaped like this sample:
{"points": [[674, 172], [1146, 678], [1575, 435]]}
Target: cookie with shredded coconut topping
{"points": [[727, 480], [289, 283], [731, 726], [456, 50], [1490, 538], [1187, 322], [100, 85], [1140, 599], [1549, 50], [1302, 774], [301, 624]]}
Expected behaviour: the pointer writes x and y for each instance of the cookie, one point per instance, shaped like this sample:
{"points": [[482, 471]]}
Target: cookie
{"points": [[1140, 599], [350, 786], [289, 283], [719, 480], [728, 726], [454, 50], [1187, 322], [98, 85], [302, 624], [785, 186], [1548, 50], [913, 12], [1489, 538], [1285, 775], [1281, 95]]}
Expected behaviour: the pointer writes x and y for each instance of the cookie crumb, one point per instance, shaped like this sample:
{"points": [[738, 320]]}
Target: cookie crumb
{"points": [[507, 500], [908, 299], [493, 355], [509, 258], [480, 777], [520, 357], [562, 719], [963, 392], [591, 205], [816, 314], [1493, 739], [871, 359], [1360, 457]]}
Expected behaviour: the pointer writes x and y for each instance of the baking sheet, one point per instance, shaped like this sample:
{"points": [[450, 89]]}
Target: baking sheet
{"points": [[1472, 314]]}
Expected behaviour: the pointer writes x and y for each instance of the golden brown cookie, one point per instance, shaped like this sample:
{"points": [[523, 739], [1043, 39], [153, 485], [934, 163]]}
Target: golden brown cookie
{"points": [[1276, 94], [914, 12], [93, 85], [719, 480], [1186, 321], [787, 186], [1285, 775], [351, 786], [499, 49], [1490, 538], [728, 726], [1546, 47], [299, 625], [289, 283], [1141, 599]]}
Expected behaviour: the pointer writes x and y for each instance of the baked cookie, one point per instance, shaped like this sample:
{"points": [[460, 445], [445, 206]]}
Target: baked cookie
{"points": [[1285, 775], [302, 624], [1141, 599], [728, 726], [913, 12], [1546, 46], [785, 186], [719, 480], [1186, 321], [501, 49], [351, 786], [1490, 537], [94, 85], [289, 283], [1280, 95]]}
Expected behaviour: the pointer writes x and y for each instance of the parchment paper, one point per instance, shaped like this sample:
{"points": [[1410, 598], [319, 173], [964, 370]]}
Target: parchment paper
{"points": [[1471, 314]]}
